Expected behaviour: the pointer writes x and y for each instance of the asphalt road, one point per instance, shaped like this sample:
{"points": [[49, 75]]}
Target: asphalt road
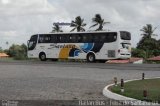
{"points": [[64, 80]]}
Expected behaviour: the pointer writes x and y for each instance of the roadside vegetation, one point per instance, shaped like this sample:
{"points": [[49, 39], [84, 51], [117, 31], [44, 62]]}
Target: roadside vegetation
{"points": [[135, 89], [148, 46], [17, 52]]}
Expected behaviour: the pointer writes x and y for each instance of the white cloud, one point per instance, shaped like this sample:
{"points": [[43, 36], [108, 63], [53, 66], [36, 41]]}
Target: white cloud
{"points": [[5, 1], [26, 7]]}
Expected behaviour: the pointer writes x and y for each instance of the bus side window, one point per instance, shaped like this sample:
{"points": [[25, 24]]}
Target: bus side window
{"points": [[79, 38], [99, 38], [87, 38], [90, 38], [84, 38], [64, 38], [111, 37], [44, 39], [54, 39], [73, 38], [47, 39], [114, 37], [96, 38], [41, 39], [102, 38], [59, 38], [108, 38]]}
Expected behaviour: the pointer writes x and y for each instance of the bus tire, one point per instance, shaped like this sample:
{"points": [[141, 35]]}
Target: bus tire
{"points": [[91, 57], [42, 56]]}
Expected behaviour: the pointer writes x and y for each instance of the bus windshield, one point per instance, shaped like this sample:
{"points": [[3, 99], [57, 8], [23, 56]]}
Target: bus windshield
{"points": [[125, 35], [32, 42]]}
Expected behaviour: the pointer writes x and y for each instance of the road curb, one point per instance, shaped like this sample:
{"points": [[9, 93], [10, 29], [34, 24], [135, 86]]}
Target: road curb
{"points": [[127, 100]]}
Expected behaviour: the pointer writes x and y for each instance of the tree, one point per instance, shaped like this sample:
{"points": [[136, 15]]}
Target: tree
{"points": [[24, 50], [56, 28], [78, 24], [18, 52], [138, 53], [148, 31], [99, 21], [147, 43]]}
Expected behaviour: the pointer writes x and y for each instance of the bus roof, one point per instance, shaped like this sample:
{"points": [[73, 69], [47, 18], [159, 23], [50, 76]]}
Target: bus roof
{"points": [[80, 32]]}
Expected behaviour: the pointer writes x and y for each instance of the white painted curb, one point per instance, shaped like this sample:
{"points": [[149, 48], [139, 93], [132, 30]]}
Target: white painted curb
{"points": [[127, 100]]}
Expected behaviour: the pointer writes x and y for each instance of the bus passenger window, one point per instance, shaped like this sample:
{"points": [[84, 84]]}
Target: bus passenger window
{"points": [[102, 38], [53, 39], [41, 39], [73, 38], [64, 38], [115, 37], [86, 38], [59, 38], [96, 38], [89, 38], [79, 39], [47, 39], [111, 37]]}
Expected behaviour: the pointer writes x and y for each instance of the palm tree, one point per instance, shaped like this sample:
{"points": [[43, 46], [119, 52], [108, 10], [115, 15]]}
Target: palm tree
{"points": [[78, 24], [56, 28], [99, 21], [148, 43], [148, 31]]}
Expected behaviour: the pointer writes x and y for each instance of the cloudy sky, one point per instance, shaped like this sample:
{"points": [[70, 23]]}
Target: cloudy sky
{"points": [[19, 19]]}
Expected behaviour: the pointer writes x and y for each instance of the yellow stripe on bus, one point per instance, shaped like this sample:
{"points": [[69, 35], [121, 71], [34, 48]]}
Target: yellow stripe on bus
{"points": [[64, 53]]}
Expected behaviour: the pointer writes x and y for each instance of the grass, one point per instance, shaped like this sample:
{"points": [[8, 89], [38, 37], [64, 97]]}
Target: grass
{"points": [[135, 89], [6, 59], [11, 59]]}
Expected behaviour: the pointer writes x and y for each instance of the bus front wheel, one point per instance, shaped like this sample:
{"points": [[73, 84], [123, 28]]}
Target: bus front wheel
{"points": [[42, 57], [91, 57]]}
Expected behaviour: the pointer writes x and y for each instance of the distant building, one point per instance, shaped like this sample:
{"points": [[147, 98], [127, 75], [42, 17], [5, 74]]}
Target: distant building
{"points": [[3, 55]]}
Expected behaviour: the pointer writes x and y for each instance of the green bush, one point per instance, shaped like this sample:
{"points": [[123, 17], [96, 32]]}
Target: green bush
{"points": [[18, 52]]}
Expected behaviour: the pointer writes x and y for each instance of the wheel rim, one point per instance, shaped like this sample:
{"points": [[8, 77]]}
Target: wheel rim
{"points": [[91, 58], [43, 57]]}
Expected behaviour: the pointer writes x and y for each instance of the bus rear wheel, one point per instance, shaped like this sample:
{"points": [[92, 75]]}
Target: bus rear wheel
{"points": [[91, 57], [42, 57]]}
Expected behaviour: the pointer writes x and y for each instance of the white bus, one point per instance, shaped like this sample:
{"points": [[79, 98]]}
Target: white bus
{"points": [[80, 45]]}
